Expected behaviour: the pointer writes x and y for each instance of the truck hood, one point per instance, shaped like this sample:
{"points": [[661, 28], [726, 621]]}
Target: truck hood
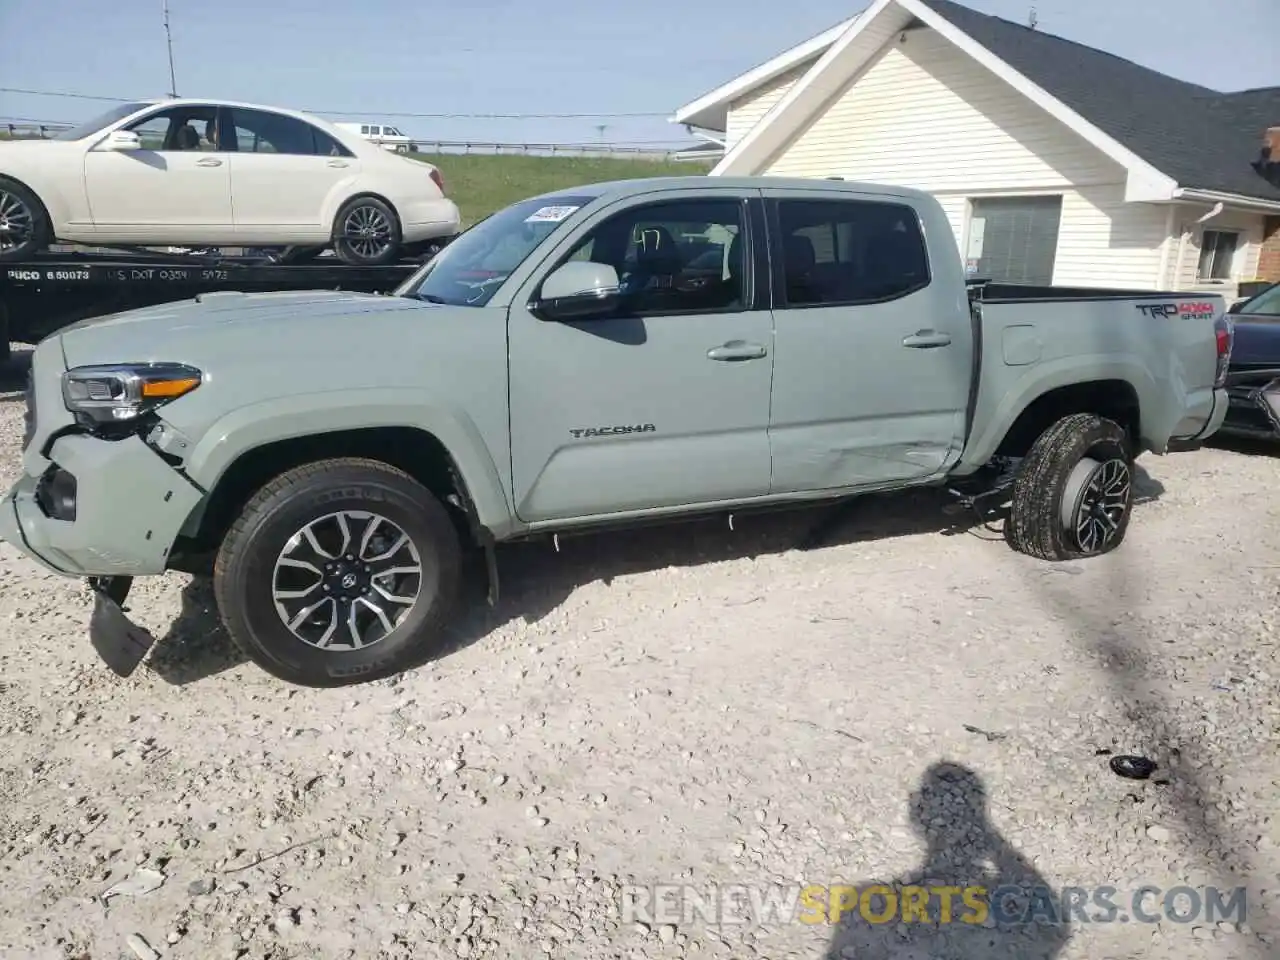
{"points": [[305, 350], [223, 324]]}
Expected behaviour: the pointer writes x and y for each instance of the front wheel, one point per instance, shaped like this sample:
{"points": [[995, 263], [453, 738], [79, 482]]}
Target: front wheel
{"points": [[366, 233], [1074, 492], [24, 224], [339, 572]]}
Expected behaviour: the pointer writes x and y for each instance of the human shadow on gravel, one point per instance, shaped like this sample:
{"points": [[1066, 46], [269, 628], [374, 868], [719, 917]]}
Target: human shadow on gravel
{"points": [[1012, 914], [535, 579]]}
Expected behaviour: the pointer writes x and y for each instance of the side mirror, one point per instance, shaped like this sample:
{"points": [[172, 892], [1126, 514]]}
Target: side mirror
{"points": [[122, 140], [578, 290], [1235, 307]]}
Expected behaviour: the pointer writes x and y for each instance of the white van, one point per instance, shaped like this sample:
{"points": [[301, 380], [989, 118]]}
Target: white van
{"points": [[390, 138]]}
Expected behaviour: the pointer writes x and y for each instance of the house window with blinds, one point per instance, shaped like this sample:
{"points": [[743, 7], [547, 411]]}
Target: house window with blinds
{"points": [[1013, 239], [1217, 253]]}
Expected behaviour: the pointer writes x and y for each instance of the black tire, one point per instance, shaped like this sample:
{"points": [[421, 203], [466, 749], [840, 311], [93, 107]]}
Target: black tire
{"points": [[387, 230], [36, 232], [245, 571], [1053, 481], [425, 250], [298, 255]]}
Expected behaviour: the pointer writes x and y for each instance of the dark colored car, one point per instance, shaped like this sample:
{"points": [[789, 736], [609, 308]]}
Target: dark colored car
{"points": [[1253, 379]]}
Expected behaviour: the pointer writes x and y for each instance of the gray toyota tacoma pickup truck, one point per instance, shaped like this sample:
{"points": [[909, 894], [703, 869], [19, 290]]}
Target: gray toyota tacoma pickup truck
{"points": [[610, 354]]}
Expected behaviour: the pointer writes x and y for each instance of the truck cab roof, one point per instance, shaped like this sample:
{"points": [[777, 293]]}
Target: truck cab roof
{"points": [[617, 189]]}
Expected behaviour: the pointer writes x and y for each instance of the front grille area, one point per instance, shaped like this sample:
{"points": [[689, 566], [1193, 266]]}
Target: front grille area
{"points": [[29, 415]]}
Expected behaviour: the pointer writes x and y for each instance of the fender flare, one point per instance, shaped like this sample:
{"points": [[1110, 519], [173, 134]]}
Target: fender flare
{"points": [[270, 421], [1044, 378]]}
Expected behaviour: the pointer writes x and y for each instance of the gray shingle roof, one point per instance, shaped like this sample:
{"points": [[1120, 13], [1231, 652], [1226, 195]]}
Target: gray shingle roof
{"points": [[1202, 138]]}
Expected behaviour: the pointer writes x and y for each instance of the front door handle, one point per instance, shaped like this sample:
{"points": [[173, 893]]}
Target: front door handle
{"points": [[926, 339], [338, 163], [737, 350], [209, 162]]}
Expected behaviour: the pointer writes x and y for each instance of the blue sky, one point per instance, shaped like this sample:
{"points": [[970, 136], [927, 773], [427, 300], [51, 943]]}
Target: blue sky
{"points": [[384, 57]]}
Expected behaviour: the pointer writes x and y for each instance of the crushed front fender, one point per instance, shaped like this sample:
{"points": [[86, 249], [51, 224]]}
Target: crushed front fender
{"points": [[130, 504]]}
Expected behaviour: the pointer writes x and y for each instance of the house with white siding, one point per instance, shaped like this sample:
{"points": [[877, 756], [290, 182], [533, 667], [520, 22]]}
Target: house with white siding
{"points": [[1055, 162]]}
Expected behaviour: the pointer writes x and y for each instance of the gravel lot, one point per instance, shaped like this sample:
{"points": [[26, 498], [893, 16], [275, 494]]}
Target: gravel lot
{"points": [[682, 705]]}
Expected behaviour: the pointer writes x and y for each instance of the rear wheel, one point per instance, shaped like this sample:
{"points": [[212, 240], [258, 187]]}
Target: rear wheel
{"points": [[1074, 492], [339, 572], [366, 233], [24, 224]]}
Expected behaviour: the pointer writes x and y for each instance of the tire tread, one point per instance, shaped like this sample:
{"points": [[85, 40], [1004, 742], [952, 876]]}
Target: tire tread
{"points": [[237, 541], [42, 225], [1034, 526]]}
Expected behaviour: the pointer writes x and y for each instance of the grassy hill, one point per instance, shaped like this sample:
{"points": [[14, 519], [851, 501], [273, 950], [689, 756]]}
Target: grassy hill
{"points": [[479, 185]]}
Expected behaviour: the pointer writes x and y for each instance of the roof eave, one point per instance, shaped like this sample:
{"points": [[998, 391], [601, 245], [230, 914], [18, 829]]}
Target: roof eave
{"points": [[752, 149], [1144, 181], [1195, 194], [711, 109]]}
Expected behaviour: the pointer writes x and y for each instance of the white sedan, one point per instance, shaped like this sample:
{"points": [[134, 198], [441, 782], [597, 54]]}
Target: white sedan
{"points": [[215, 173]]}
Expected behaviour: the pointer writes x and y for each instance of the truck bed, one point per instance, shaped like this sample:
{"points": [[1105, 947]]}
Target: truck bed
{"points": [[1033, 339], [990, 292]]}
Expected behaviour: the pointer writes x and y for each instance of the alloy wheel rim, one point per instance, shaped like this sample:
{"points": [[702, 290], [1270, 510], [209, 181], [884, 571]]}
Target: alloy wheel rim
{"points": [[16, 221], [347, 580], [367, 232], [1101, 504]]}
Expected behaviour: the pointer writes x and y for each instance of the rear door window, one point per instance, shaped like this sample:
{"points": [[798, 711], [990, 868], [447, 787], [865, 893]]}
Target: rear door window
{"points": [[849, 251], [260, 131]]}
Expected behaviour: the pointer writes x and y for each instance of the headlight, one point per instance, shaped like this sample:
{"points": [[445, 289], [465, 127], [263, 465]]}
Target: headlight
{"points": [[116, 392]]}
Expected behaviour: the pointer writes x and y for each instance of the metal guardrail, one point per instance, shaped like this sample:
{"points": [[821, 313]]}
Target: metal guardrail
{"points": [[542, 149], [32, 131], [25, 131]]}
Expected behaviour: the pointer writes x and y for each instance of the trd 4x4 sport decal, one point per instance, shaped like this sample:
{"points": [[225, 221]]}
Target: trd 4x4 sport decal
{"points": [[1186, 310]]}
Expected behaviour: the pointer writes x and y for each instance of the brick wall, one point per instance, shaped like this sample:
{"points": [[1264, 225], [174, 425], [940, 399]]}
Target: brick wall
{"points": [[1269, 259]]}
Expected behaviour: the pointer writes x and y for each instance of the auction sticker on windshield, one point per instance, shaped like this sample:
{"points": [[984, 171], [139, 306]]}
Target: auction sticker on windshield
{"points": [[549, 214]]}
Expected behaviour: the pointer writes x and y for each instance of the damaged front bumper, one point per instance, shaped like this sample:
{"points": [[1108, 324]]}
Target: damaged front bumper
{"points": [[100, 508], [105, 510], [120, 642], [1254, 409]]}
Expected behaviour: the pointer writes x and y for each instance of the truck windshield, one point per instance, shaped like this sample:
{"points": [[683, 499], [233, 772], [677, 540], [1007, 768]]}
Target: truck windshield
{"points": [[469, 271], [88, 127]]}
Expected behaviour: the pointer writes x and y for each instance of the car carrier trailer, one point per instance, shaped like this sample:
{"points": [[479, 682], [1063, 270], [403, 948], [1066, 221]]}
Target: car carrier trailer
{"points": [[54, 290]]}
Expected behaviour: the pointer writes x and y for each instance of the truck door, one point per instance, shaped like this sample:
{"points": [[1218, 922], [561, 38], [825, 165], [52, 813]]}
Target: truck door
{"points": [[664, 401], [874, 343]]}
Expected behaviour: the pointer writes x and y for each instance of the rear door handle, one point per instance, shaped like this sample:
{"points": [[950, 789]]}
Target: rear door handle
{"points": [[737, 350], [209, 162], [926, 339], [338, 163]]}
